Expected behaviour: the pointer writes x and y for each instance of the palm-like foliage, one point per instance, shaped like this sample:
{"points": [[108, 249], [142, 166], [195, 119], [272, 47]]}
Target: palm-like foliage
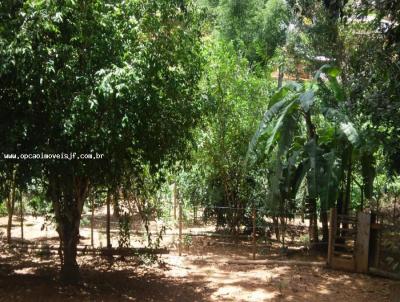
{"points": [[302, 131]]}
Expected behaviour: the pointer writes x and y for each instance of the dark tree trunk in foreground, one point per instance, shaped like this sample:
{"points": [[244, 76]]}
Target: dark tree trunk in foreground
{"points": [[10, 204], [325, 228], [312, 200], [347, 199], [68, 198], [92, 220], [10, 210], [21, 208], [368, 172], [276, 228], [116, 212], [313, 226], [108, 222]]}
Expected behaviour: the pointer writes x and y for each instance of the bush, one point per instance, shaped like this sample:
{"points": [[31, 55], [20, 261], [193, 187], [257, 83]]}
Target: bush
{"points": [[3, 209]]}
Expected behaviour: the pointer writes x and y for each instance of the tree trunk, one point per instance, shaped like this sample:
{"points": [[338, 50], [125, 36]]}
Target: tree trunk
{"points": [[276, 228], [348, 185], [68, 195], [313, 226], [9, 223], [339, 205], [10, 204], [108, 225], [283, 229], [174, 199], [347, 192], [361, 194], [312, 200], [280, 76], [368, 172], [116, 210], [92, 221], [21, 207], [69, 234]]}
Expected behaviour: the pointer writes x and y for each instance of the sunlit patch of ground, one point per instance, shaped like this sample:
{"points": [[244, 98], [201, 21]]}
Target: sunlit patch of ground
{"points": [[277, 283], [201, 274], [186, 278]]}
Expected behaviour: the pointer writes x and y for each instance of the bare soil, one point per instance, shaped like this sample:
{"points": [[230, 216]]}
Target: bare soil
{"points": [[200, 274]]}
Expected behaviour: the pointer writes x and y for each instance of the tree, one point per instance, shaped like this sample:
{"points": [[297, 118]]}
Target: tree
{"points": [[14, 175], [235, 97], [257, 28], [270, 26], [101, 77], [360, 37], [300, 150]]}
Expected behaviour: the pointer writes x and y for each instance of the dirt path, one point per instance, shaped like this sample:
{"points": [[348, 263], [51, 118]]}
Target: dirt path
{"points": [[182, 279], [193, 277], [279, 283]]}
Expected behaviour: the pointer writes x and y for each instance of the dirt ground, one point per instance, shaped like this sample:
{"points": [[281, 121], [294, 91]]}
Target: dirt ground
{"points": [[200, 274], [186, 278]]}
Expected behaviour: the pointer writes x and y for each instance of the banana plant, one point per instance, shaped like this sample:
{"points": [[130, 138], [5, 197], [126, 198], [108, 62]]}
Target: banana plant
{"points": [[300, 137]]}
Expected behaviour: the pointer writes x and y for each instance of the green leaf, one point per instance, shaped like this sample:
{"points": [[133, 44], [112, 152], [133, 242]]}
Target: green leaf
{"points": [[307, 99], [311, 149], [278, 96], [269, 115], [350, 132], [337, 89], [332, 73], [298, 177], [328, 180], [283, 92], [329, 70]]}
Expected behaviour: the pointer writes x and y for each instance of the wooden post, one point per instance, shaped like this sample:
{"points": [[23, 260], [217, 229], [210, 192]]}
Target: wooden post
{"points": [[332, 234], [373, 244], [10, 203], [92, 222], [174, 193], [362, 242], [108, 219], [21, 205], [362, 198], [115, 200], [254, 233], [280, 76], [394, 293], [180, 228]]}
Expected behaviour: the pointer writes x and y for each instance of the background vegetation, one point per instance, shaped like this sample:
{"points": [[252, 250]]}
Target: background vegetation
{"points": [[290, 107]]}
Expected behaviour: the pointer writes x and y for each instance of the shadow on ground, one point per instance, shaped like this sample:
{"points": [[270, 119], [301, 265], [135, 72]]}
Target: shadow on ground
{"points": [[36, 279]]}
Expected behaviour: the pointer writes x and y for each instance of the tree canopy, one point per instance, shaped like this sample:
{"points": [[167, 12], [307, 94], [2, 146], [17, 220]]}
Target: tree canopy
{"points": [[281, 107]]}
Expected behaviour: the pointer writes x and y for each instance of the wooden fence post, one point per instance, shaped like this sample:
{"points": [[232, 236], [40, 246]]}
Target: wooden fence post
{"points": [[373, 259], [174, 197], [92, 221], [180, 228], [394, 293], [362, 242], [108, 219], [254, 233], [332, 234], [21, 205]]}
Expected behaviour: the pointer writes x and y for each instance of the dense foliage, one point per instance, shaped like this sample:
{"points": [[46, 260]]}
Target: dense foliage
{"points": [[286, 107], [100, 77]]}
